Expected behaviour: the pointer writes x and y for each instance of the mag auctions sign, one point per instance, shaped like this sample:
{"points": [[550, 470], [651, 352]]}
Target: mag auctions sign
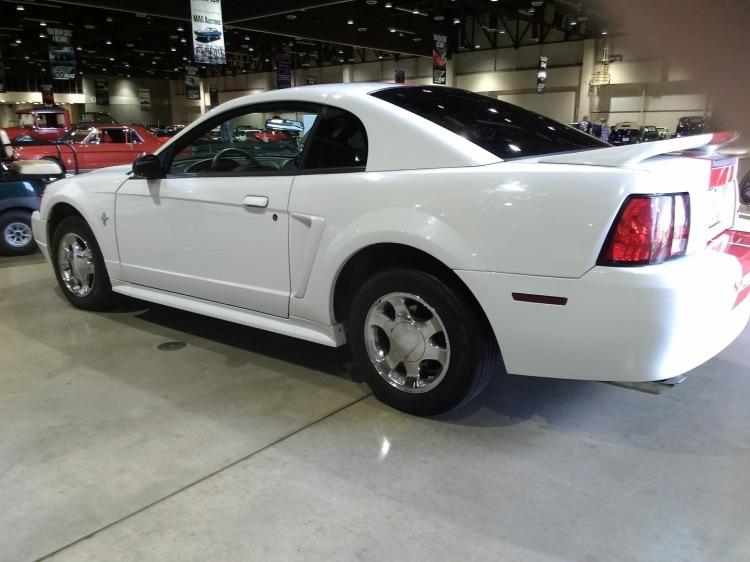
{"points": [[62, 57], [439, 58], [208, 32]]}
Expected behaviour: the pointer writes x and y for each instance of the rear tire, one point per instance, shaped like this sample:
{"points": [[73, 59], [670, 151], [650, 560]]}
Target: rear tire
{"points": [[16, 238], [423, 346], [79, 266]]}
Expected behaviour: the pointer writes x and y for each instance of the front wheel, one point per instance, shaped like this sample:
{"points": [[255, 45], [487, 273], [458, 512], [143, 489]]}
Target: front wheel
{"points": [[423, 346], [16, 238], [79, 266]]}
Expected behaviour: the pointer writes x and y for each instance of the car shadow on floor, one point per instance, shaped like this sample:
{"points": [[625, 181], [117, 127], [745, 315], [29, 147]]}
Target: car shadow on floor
{"points": [[332, 361], [14, 261]]}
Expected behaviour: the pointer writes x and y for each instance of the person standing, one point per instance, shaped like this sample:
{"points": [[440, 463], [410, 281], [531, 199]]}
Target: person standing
{"points": [[605, 130], [584, 124]]}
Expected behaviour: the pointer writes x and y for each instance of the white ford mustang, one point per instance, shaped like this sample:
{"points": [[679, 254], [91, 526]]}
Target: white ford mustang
{"points": [[440, 232]]}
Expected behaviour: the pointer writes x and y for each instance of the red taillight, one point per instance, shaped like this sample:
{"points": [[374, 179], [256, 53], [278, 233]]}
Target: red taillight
{"points": [[722, 172], [648, 230]]}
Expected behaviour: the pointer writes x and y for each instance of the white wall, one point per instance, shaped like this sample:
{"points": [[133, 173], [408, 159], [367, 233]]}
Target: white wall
{"points": [[555, 105]]}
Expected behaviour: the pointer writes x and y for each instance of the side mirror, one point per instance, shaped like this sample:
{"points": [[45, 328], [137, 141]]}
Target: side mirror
{"points": [[148, 166]]}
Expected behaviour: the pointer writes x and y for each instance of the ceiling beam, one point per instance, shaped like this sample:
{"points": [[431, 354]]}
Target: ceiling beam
{"points": [[238, 12]]}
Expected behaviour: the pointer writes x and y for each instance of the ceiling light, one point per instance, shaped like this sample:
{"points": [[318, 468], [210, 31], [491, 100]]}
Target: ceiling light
{"points": [[350, 22], [477, 46], [43, 23], [388, 5], [183, 40], [18, 41], [43, 35], [291, 16], [173, 49], [380, 57], [129, 45], [416, 39], [20, 8], [108, 42], [531, 10], [251, 49], [26, 57], [573, 22], [79, 48], [415, 11], [456, 20], [111, 58], [371, 2], [180, 29], [392, 29], [439, 18], [109, 18], [361, 29], [604, 32]]}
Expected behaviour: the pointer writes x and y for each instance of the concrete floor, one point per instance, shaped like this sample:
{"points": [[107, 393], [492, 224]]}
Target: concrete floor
{"points": [[250, 446]]}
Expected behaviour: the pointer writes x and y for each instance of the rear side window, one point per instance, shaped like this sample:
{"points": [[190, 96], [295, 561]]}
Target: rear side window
{"points": [[338, 142], [505, 130]]}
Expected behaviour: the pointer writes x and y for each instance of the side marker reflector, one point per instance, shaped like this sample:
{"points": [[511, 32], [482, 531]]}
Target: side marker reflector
{"points": [[540, 299]]}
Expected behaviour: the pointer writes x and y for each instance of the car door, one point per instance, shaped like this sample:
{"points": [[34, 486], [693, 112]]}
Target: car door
{"points": [[216, 227]]}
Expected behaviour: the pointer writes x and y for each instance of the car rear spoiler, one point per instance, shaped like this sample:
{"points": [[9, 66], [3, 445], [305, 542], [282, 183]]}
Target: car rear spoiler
{"points": [[633, 154]]}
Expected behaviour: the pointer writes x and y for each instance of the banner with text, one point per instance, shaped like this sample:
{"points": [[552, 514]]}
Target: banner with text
{"points": [[439, 58], [283, 72], [101, 91], [62, 56], [192, 83], [208, 32], [144, 95]]}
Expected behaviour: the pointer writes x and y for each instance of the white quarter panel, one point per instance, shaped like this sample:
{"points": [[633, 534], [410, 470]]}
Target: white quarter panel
{"points": [[534, 219], [193, 236]]}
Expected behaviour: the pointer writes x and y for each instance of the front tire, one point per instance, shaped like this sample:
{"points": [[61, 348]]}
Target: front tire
{"points": [[79, 266], [423, 346], [16, 238]]}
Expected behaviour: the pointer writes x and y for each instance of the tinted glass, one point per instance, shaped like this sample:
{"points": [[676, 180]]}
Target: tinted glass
{"points": [[501, 128], [247, 143], [340, 141]]}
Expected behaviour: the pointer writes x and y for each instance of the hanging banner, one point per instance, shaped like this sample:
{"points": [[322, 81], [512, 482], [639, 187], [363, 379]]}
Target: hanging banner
{"points": [[2, 77], [439, 58], [283, 72], [48, 96], [541, 75], [208, 32], [62, 56], [213, 96], [144, 94], [192, 83], [101, 91]]}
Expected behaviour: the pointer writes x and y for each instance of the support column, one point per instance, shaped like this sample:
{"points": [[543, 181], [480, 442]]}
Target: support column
{"points": [[450, 72], [203, 99], [347, 73], [587, 70]]}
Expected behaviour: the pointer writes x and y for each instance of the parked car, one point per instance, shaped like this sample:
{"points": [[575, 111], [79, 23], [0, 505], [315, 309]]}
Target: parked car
{"points": [[745, 190], [21, 188], [664, 133], [88, 147], [688, 126], [39, 124], [207, 35], [648, 133], [432, 229], [99, 117], [625, 133]]}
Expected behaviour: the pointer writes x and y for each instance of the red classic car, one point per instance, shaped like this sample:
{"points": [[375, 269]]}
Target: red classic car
{"points": [[39, 124], [87, 147]]}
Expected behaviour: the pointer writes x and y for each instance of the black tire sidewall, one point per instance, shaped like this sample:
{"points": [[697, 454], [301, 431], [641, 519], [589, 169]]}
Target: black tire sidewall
{"points": [[101, 296], [7, 217], [465, 331]]}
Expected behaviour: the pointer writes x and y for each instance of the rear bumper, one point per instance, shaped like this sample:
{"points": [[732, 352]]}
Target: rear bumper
{"points": [[622, 324], [39, 228]]}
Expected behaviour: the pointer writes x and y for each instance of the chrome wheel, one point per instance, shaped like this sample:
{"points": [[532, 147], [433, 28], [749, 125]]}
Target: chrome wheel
{"points": [[17, 234], [407, 342], [76, 264]]}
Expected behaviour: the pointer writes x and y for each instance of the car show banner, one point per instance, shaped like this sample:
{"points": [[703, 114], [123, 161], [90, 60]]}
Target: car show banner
{"points": [[48, 95], [439, 58], [283, 72], [144, 94], [541, 75], [213, 96], [208, 32], [62, 56], [192, 83], [101, 91]]}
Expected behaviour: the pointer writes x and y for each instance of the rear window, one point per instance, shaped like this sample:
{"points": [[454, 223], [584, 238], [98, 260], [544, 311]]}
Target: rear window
{"points": [[505, 130]]}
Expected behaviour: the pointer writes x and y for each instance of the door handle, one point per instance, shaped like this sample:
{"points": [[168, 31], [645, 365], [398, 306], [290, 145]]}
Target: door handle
{"points": [[260, 201]]}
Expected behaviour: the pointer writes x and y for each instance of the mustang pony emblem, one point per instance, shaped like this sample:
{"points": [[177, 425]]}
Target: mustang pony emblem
{"points": [[104, 218]]}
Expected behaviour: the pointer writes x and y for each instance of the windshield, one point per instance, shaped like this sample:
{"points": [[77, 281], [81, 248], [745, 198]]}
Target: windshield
{"points": [[77, 135], [26, 119], [503, 129]]}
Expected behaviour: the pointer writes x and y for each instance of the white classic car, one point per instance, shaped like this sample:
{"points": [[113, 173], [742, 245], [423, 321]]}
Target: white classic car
{"points": [[444, 235]]}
